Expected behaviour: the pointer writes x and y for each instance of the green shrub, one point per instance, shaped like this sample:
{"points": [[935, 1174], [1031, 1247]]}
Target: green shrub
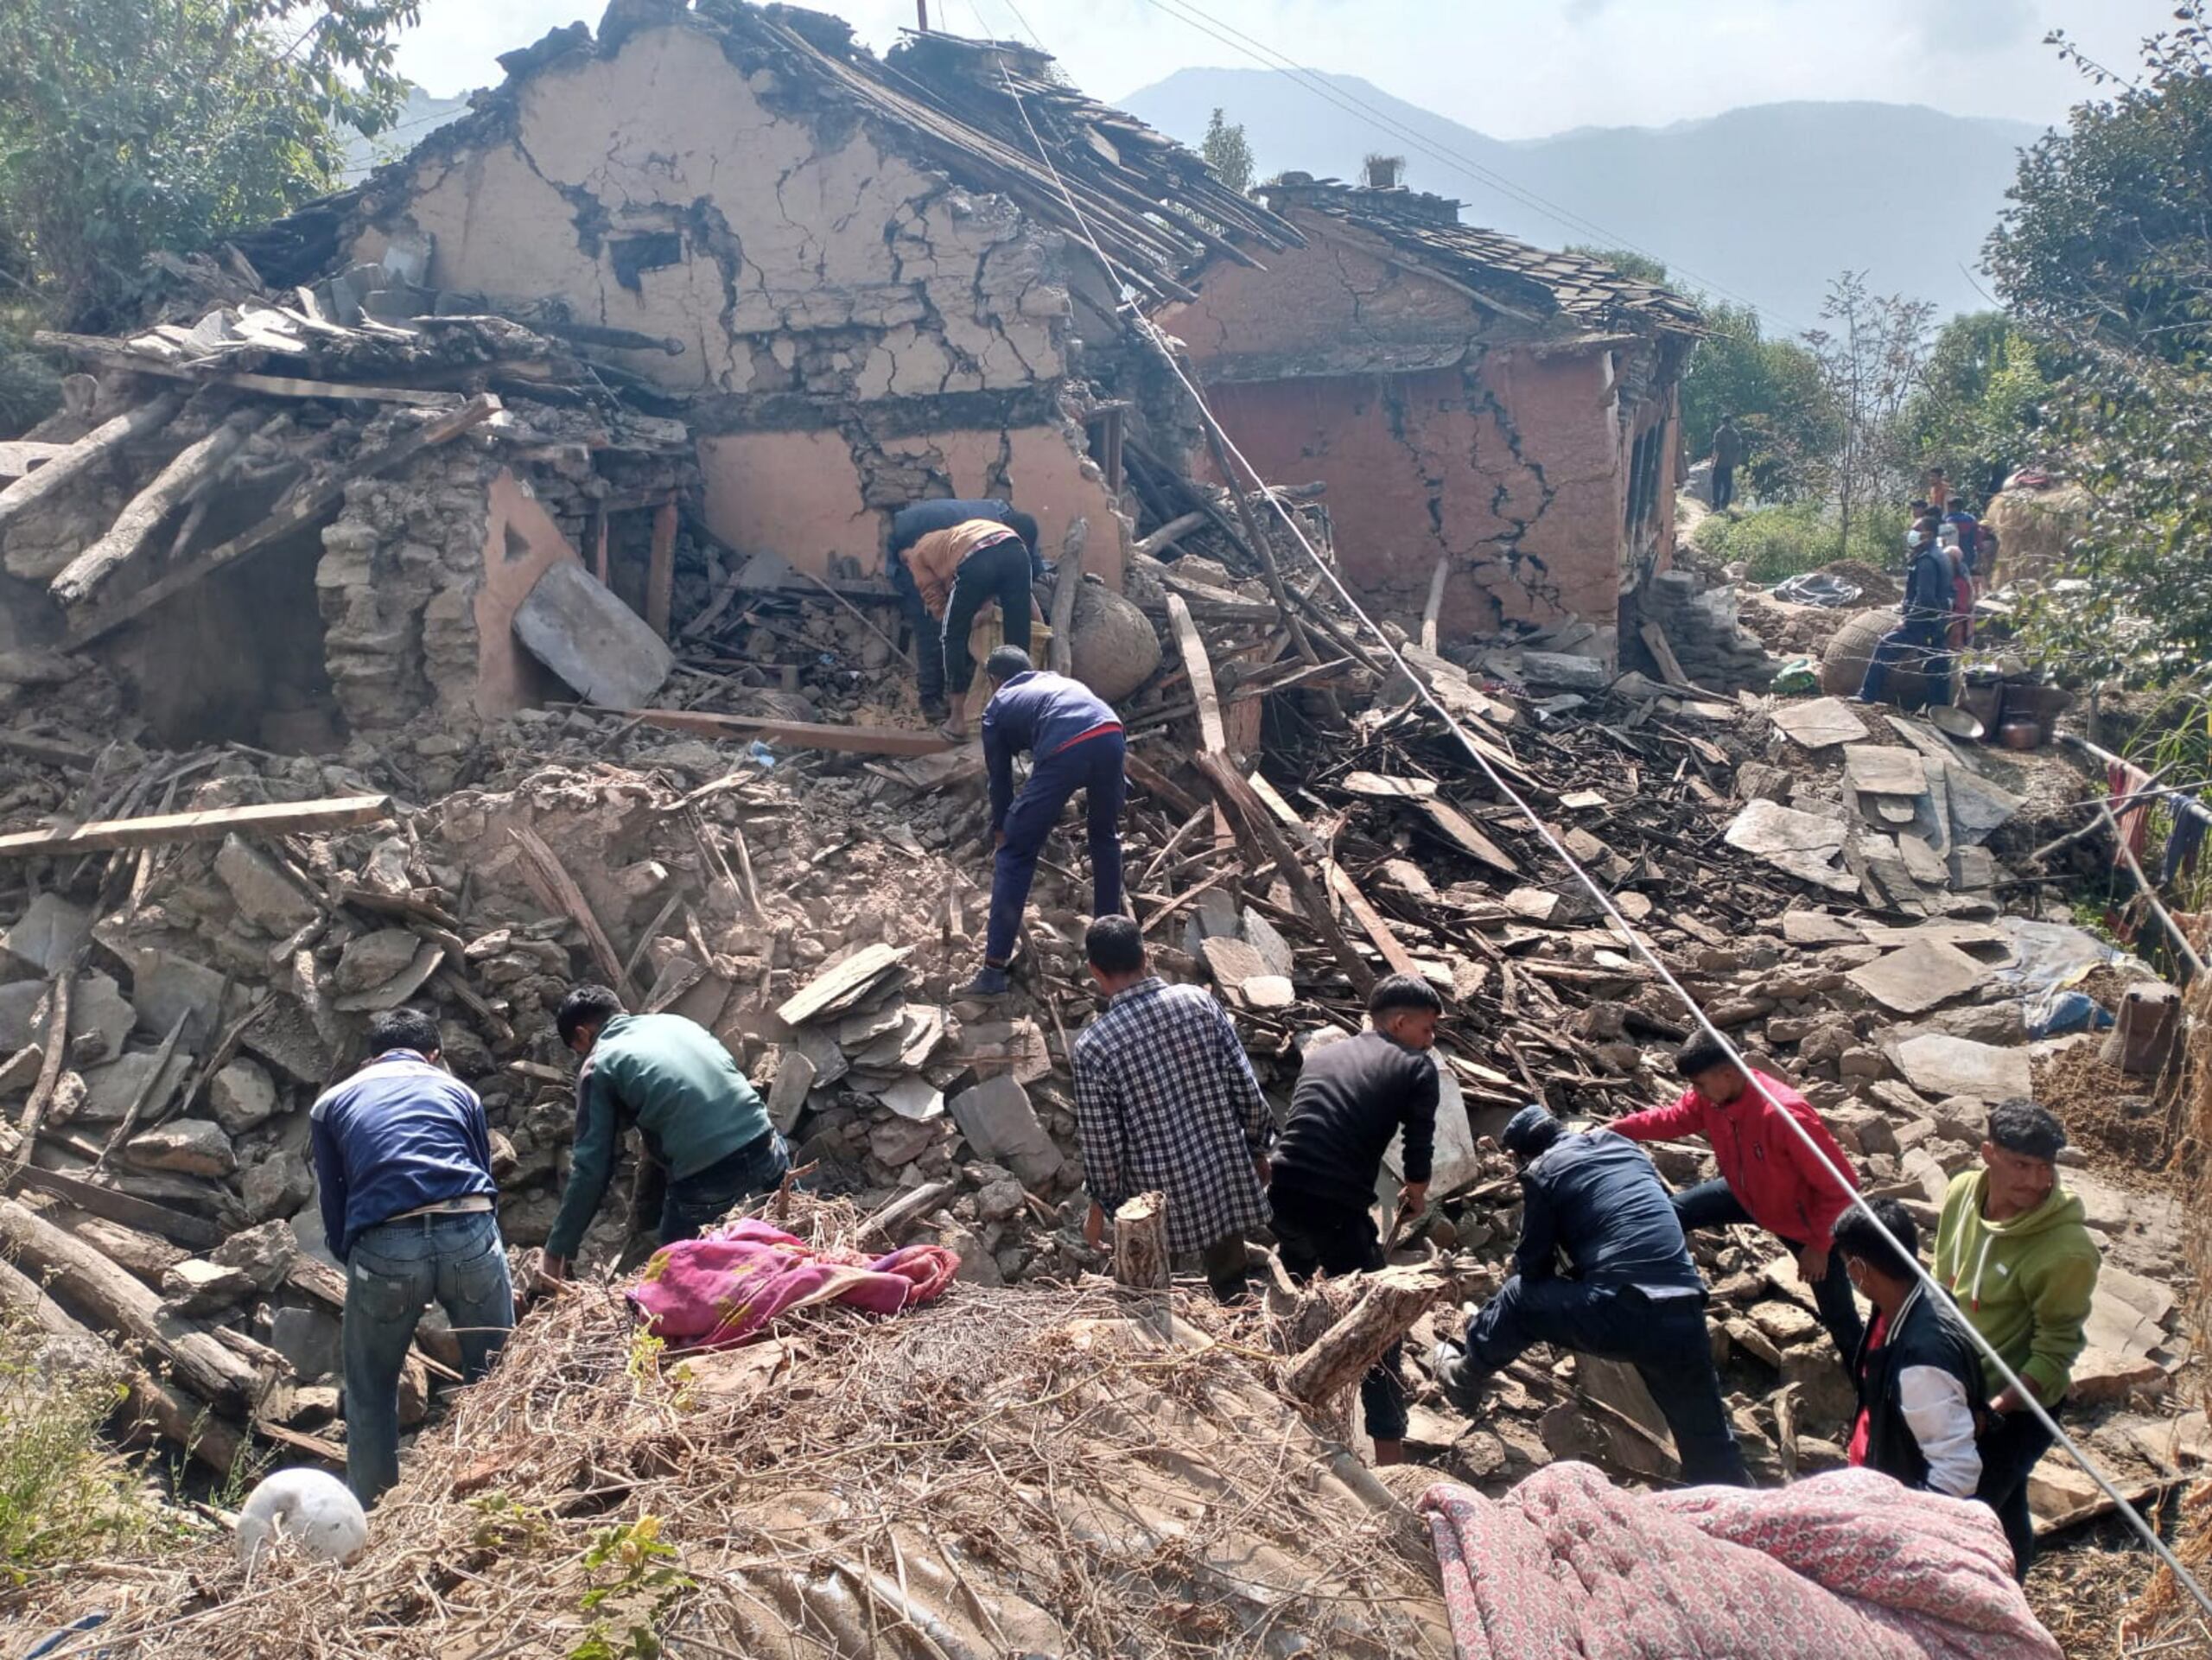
{"points": [[65, 1497], [1774, 542]]}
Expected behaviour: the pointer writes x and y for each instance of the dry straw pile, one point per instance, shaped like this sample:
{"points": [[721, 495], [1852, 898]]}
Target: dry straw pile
{"points": [[1073, 1471]]}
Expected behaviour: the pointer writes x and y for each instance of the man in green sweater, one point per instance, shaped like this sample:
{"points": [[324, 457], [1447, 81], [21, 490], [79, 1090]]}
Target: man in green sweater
{"points": [[671, 1079], [2011, 1251]]}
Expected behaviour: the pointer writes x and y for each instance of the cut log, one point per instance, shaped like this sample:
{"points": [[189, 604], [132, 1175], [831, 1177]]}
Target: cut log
{"points": [[88, 452], [1141, 1242], [95, 1289], [1391, 1300], [167, 1409], [297, 512], [891, 1222], [162, 829], [194, 465]]}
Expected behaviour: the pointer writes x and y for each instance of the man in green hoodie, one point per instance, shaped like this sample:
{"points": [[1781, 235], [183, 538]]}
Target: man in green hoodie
{"points": [[2011, 1251], [671, 1080]]}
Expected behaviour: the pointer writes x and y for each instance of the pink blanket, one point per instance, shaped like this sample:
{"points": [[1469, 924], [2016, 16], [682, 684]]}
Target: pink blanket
{"points": [[719, 1291], [1849, 1564]]}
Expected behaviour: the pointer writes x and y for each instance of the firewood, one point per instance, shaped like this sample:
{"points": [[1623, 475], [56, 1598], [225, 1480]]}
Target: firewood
{"points": [[193, 465]]}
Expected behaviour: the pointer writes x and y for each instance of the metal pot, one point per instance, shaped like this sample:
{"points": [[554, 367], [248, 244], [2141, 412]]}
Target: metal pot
{"points": [[2019, 732]]}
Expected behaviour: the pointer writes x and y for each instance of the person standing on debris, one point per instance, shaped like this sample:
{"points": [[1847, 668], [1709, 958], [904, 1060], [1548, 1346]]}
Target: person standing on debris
{"points": [[671, 1079], [1769, 1177], [2012, 1250], [403, 1163], [1166, 1102], [1917, 1372], [908, 526], [1352, 1098], [1920, 638], [1636, 1296], [1727, 456], [1075, 741]]}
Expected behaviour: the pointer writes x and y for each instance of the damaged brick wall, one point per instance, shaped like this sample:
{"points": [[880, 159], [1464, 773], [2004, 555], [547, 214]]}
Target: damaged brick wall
{"points": [[1442, 430], [833, 300]]}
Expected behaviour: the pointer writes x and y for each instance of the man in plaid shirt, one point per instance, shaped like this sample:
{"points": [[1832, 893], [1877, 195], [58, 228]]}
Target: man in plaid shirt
{"points": [[1165, 1101]]}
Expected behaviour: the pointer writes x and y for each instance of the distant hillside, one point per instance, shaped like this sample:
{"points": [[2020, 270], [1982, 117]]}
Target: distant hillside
{"points": [[1770, 201], [422, 116]]}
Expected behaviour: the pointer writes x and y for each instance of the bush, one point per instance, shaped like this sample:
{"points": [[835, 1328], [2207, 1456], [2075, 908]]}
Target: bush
{"points": [[1774, 542], [64, 1496]]}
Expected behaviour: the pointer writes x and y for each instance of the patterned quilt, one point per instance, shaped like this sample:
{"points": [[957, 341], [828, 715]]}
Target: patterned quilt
{"points": [[723, 1289]]}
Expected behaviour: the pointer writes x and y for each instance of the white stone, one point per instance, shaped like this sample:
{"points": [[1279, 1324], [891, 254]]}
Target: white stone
{"points": [[48, 933], [605, 650], [999, 1124], [242, 1095], [264, 896], [1938, 1064], [188, 1146]]}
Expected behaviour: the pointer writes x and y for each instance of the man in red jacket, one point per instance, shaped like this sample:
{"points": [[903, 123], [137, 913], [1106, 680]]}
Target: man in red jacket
{"points": [[1768, 1176]]}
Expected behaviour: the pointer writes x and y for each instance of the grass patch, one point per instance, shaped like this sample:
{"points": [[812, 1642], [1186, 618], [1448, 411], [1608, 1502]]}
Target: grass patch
{"points": [[1774, 542], [65, 1496]]}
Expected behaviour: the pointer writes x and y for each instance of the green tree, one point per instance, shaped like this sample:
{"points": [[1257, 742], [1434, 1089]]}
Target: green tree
{"points": [[1228, 153], [2106, 253], [1980, 410], [1872, 356], [131, 126]]}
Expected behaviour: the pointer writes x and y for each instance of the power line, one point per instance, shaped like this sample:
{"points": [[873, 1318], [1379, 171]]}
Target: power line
{"points": [[2014, 1383], [1312, 80]]}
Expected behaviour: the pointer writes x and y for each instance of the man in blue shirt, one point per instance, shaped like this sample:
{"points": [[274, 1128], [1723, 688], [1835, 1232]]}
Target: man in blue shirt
{"points": [[1076, 741], [403, 1160], [1635, 1295], [909, 525]]}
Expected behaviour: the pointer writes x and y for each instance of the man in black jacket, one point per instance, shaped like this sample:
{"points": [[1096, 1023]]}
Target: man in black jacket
{"points": [[1352, 1098], [1636, 1296], [1918, 1373], [909, 525], [1920, 635]]}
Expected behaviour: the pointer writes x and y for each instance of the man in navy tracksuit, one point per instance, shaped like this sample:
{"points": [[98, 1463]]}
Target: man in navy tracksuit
{"points": [[403, 1160], [1076, 742], [909, 525]]}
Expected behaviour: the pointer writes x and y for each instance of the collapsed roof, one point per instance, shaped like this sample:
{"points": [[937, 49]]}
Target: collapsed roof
{"points": [[978, 110]]}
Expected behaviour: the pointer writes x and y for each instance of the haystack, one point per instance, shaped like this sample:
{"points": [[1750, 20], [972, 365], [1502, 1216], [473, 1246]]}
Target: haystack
{"points": [[2034, 528], [1068, 1471]]}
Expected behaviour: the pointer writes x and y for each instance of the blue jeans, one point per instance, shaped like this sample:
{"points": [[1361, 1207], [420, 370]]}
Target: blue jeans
{"points": [[1663, 1338], [394, 1270], [1094, 765], [2011, 1448], [1714, 1204], [697, 1202], [1920, 644]]}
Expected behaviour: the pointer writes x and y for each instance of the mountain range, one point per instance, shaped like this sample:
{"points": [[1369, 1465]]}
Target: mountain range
{"points": [[1766, 203]]}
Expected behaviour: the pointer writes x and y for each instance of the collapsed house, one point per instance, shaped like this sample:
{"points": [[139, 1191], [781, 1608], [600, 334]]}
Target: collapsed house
{"points": [[1499, 426]]}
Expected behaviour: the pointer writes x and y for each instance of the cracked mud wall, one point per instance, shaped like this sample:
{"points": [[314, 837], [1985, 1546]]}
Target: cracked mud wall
{"points": [[827, 288], [1440, 429]]}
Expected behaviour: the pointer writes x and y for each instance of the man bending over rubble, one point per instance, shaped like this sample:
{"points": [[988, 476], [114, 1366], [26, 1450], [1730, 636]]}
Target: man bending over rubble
{"points": [[1635, 1295], [2012, 1250], [958, 571], [403, 1162], [1165, 1101], [671, 1079], [1768, 1176], [908, 526], [1075, 742], [1352, 1098]]}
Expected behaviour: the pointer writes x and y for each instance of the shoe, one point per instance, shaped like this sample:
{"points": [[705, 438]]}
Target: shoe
{"points": [[988, 983], [952, 731], [1461, 1385]]}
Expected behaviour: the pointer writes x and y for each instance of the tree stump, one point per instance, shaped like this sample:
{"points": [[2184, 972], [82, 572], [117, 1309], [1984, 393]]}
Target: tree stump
{"points": [[1391, 1300], [1141, 1242]]}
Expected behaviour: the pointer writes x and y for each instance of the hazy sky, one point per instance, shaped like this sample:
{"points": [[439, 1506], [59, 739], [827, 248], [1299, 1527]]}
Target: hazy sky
{"points": [[1512, 68]]}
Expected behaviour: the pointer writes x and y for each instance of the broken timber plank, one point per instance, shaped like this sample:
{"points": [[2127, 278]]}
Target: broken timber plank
{"points": [[113, 1205], [270, 818], [21, 456], [1212, 734], [1372, 921], [1234, 793], [1150, 778], [50, 1062], [1435, 602], [1453, 825], [543, 870], [660, 568], [192, 465], [293, 386], [302, 510], [800, 734], [88, 452]]}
